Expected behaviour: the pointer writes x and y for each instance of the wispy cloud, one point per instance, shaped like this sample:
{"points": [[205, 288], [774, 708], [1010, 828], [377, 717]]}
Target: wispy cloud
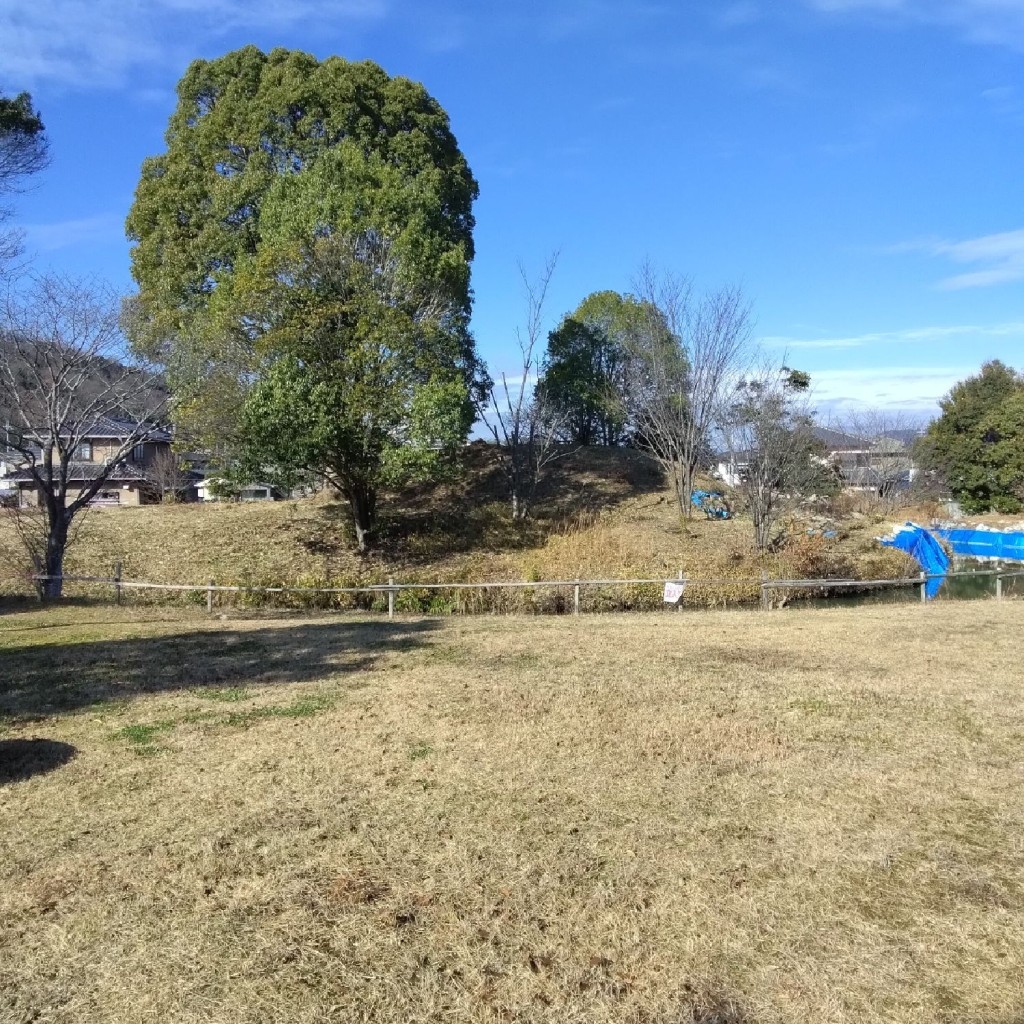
{"points": [[102, 42], [100, 229], [993, 22], [918, 335], [907, 388], [999, 257]]}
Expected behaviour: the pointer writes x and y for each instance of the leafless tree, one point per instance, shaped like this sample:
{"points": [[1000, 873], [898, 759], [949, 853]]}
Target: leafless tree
{"points": [[688, 352], [64, 369], [167, 473], [775, 453], [524, 428], [887, 464]]}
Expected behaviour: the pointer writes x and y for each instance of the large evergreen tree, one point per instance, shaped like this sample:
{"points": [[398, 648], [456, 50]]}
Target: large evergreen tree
{"points": [[307, 237], [585, 374], [977, 444]]}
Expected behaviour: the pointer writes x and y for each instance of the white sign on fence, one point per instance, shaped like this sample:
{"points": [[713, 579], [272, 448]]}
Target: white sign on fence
{"points": [[674, 592]]}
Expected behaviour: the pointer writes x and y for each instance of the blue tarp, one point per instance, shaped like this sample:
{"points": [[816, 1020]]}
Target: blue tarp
{"points": [[922, 546], [710, 503], [985, 543]]}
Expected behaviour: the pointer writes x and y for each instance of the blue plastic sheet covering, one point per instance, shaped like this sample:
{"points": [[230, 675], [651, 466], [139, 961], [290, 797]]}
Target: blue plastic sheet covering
{"points": [[994, 544], [706, 500], [928, 552]]}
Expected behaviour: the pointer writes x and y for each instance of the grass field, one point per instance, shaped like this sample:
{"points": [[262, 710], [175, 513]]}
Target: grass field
{"points": [[702, 818]]}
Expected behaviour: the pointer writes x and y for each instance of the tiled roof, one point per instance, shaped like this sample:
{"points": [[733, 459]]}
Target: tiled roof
{"points": [[83, 471], [111, 428]]}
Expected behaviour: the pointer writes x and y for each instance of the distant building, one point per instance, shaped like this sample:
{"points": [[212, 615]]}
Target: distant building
{"points": [[883, 463], [131, 480]]}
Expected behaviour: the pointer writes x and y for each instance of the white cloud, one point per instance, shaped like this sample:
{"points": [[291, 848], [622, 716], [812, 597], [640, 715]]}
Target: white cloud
{"points": [[999, 258], [101, 229], [917, 335], [908, 388], [995, 22], [85, 43]]}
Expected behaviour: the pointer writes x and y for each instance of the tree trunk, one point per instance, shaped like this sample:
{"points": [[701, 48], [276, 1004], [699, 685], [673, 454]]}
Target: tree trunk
{"points": [[686, 497], [363, 502], [53, 566]]}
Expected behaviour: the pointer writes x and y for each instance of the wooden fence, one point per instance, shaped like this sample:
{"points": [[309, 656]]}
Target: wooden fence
{"points": [[393, 588]]}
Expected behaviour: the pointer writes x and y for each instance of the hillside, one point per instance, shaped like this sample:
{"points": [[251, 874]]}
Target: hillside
{"points": [[601, 513]]}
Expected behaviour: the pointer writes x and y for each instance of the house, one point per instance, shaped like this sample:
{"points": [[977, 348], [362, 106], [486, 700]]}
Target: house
{"points": [[10, 463], [215, 489], [133, 480], [883, 464]]}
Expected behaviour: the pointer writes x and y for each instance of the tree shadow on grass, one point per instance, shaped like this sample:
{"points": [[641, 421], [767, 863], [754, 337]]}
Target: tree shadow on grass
{"points": [[21, 759], [54, 678]]}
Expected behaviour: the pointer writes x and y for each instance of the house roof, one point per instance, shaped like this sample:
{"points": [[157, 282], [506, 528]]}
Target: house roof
{"points": [[839, 440], [85, 471], [112, 428]]}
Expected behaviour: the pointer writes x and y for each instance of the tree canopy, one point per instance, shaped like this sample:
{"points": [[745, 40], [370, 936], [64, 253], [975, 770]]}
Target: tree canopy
{"points": [[302, 254], [584, 377], [23, 152], [977, 444]]}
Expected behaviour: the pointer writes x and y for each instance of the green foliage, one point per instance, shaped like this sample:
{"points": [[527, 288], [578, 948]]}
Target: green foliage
{"points": [[977, 444], [590, 365], [23, 147], [23, 151], [302, 256], [584, 381]]}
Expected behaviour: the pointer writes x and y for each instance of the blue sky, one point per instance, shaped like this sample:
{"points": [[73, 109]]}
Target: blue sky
{"points": [[855, 165]]}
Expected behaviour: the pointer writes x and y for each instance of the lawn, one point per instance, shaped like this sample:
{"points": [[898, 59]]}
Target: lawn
{"points": [[695, 818]]}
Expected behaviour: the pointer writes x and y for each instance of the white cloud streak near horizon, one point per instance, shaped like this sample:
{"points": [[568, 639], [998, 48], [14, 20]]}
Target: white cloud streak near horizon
{"points": [[912, 389]]}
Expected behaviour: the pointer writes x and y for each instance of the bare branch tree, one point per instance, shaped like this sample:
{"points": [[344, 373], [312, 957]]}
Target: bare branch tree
{"points": [[524, 428], [884, 467], [684, 359], [775, 453], [64, 369], [167, 473]]}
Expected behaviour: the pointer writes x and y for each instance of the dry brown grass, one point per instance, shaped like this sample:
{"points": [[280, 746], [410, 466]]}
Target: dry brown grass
{"points": [[604, 513], [710, 817]]}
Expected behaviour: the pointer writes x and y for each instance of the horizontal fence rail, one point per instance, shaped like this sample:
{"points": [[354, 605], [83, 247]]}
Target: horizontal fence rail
{"points": [[393, 588]]}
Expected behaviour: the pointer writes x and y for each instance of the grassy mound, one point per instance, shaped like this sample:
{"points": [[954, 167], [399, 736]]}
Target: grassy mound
{"points": [[602, 513]]}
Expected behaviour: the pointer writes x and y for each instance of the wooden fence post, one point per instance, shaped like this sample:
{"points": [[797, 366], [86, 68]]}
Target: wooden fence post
{"points": [[391, 598], [209, 597], [999, 581], [924, 587], [117, 582], [764, 591], [576, 598]]}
